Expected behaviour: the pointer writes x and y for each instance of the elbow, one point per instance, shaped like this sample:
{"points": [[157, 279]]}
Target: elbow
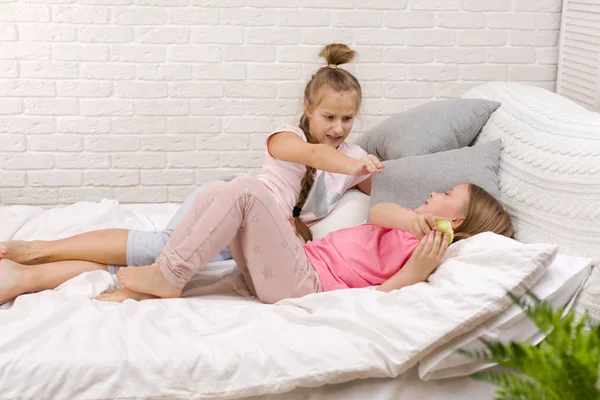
{"points": [[384, 288], [372, 215], [375, 214]]}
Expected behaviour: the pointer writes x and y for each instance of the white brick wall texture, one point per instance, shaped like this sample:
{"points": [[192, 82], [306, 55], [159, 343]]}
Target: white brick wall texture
{"points": [[143, 100]]}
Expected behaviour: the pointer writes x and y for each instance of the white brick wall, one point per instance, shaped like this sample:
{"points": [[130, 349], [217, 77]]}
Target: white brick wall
{"points": [[142, 100]]}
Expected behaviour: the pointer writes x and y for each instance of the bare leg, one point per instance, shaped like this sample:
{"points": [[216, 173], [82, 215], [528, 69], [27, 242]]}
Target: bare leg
{"points": [[123, 294], [17, 279], [105, 246]]}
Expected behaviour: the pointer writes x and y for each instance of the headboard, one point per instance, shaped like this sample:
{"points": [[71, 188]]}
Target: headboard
{"points": [[549, 172], [579, 53]]}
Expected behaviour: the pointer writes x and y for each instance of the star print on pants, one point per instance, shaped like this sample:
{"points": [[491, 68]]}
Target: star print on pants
{"points": [[267, 272]]}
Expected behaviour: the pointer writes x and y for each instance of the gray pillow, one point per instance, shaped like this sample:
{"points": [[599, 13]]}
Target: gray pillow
{"points": [[409, 181], [432, 127]]}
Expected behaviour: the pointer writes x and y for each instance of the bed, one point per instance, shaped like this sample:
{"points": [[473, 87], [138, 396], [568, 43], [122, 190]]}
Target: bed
{"points": [[63, 344]]}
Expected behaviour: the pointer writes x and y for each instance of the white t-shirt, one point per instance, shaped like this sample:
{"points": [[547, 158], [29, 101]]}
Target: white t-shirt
{"points": [[283, 178]]}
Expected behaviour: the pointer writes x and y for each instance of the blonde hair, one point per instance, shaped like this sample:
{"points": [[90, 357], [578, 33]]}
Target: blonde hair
{"points": [[484, 214], [339, 80]]}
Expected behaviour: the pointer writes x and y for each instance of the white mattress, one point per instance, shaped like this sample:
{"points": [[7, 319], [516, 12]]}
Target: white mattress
{"points": [[407, 386], [59, 344]]}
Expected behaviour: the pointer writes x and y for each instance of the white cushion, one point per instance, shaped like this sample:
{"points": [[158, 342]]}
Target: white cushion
{"points": [[352, 209], [549, 172], [560, 283]]}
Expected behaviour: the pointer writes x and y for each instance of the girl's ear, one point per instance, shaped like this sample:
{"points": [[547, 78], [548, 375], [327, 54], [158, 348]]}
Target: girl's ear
{"points": [[308, 109], [457, 221]]}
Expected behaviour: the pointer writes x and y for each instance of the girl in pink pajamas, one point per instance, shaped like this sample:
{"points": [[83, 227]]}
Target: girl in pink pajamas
{"points": [[398, 249]]}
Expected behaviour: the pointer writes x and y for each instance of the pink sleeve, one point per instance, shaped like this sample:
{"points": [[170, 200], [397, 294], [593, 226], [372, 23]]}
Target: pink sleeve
{"points": [[284, 128]]}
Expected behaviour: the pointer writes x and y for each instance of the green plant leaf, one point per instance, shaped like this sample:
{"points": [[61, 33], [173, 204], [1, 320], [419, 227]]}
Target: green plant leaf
{"points": [[565, 366]]}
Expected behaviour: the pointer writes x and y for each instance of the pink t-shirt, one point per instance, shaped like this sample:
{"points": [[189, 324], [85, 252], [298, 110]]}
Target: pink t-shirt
{"points": [[283, 178], [360, 256]]}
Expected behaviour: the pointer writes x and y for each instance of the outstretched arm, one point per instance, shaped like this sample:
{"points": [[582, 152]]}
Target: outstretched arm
{"points": [[287, 146], [425, 259], [394, 216]]}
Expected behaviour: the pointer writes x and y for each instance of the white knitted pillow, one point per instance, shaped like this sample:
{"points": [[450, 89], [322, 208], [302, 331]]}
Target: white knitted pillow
{"points": [[549, 172]]}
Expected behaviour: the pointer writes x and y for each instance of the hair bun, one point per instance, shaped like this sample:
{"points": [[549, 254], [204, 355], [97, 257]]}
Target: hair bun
{"points": [[336, 54]]}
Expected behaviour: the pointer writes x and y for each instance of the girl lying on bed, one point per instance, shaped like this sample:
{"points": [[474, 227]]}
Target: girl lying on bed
{"points": [[332, 99], [399, 248]]}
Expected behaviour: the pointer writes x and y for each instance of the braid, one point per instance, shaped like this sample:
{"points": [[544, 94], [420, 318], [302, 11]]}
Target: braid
{"points": [[302, 230]]}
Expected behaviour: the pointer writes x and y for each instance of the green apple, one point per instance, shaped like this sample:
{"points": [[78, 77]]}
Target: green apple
{"points": [[446, 228]]}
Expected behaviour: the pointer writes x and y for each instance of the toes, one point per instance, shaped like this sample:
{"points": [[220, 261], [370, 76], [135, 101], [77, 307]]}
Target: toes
{"points": [[122, 275], [126, 279]]}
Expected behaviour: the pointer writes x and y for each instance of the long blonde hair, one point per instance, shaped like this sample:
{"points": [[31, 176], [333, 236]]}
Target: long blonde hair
{"points": [[484, 214], [339, 80]]}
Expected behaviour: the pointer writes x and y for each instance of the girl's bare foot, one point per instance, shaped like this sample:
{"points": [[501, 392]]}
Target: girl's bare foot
{"points": [[20, 251], [13, 280], [123, 294], [147, 279]]}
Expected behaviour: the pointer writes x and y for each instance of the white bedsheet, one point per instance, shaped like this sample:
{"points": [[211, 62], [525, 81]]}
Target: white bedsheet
{"points": [[60, 344]]}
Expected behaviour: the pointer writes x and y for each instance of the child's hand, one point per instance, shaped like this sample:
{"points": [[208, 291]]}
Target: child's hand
{"points": [[429, 254], [422, 224], [369, 164]]}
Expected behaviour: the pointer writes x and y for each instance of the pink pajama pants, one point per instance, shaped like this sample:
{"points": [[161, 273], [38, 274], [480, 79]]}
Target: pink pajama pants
{"points": [[243, 215]]}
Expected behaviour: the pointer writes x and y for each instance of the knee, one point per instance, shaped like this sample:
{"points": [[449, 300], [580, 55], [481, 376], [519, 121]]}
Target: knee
{"points": [[241, 188], [248, 185], [245, 180], [211, 189]]}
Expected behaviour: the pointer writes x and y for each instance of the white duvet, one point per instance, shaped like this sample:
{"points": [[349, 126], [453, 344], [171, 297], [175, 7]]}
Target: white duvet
{"points": [[62, 344]]}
